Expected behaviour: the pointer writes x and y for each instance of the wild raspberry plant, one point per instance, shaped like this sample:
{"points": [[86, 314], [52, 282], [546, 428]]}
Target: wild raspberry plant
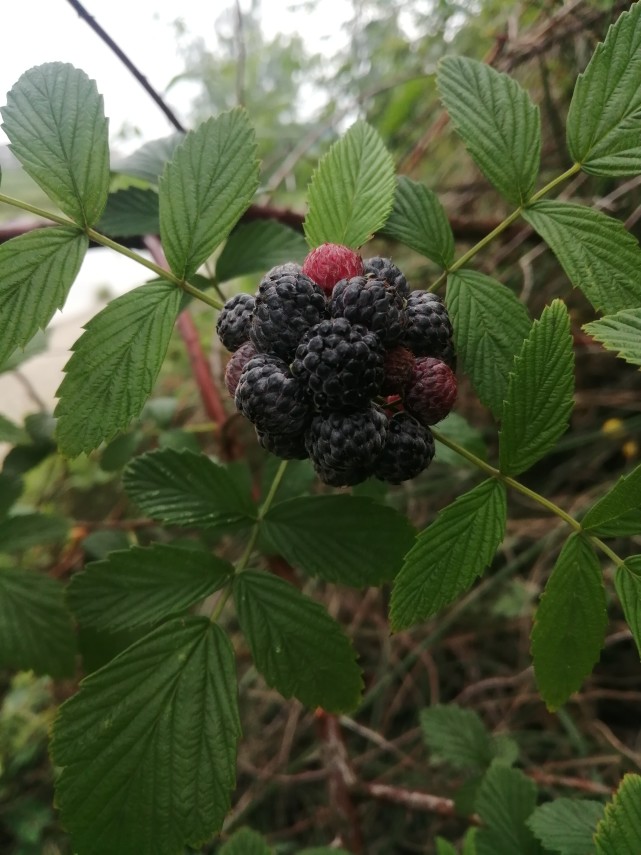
{"points": [[146, 747]]}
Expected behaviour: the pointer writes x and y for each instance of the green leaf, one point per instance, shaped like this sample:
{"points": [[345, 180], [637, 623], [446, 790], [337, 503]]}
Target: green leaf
{"points": [[604, 121], [148, 744], [56, 124], [597, 252], [130, 212], [628, 585], [35, 346], [570, 623], [490, 324], [449, 554], [505, 800], [119, 451], [10, 432], [37, 270], [619, 832], [258, 246], [540, 392], [298, 648], [444, 848], [353, 541], [206, 186], [184, 488], [497, 121], [148, 162], [456, 428], [245, 842], [35, 627], [10, 490], [457, 736], [26, 530], [140, 586], [624, 497], [567, 825], [620, 332], [419, 221], [114, 366], [352, 190]]}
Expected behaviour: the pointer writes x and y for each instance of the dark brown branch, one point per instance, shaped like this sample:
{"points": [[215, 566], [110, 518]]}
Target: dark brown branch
{"points": [[414, 800], [122, 56]]}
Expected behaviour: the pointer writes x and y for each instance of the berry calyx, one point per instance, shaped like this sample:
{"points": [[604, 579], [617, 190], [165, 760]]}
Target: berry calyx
{"points": [[329, 263]]}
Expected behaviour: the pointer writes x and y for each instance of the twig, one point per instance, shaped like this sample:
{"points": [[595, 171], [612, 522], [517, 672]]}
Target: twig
{"points": [[582, 784], [414, 800]]}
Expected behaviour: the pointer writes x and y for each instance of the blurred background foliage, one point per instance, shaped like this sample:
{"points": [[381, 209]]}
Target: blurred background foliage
{"points": [[300, 97]]}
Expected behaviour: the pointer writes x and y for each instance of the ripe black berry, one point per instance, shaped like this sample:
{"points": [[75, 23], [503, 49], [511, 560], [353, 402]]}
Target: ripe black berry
{"points": [[344, 448], [233, 321], [408, 450], [382, 268], [371, 303], [271, 398], [428, 331]]}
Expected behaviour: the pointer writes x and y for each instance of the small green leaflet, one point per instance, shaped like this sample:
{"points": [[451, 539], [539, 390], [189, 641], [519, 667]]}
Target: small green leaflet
{"points": [[570, 623], [140, 586], [130, 212], [497, 121], [490, 324], [619, 832], [258, 246], [444, 848], [10, 490], [298, 648], [449, 554], [540, 392], [567, 825], [505, 800], [148, 162], [456, 428], [206, 186], [114, 366], [35, 628], [459, 737], [36, 345], [245, 842], [628, 584], [620, 332], [345, 539], [625, 496], [419, 221], [26, 530], [10, 432], [184, 488], [55, 122], [604, 121], [598, 254], [351, 191], [37, 270], [148, 744]]}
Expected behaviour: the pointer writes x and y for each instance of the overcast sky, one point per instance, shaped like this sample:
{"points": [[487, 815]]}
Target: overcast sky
{"points": [[37, 31]]}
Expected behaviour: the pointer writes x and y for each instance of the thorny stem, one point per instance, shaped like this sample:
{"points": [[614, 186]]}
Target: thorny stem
{"points": [[526, 491], [253, 537], [103, 240], [504, 224]]}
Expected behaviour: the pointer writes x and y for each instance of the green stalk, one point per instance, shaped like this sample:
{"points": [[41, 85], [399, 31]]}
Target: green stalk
{"points": [[103, 240], [525, 491]]}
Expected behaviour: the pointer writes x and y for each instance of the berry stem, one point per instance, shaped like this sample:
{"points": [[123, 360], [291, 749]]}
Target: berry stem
{"points": [[503, 225], [526, 491], [103, 240]]}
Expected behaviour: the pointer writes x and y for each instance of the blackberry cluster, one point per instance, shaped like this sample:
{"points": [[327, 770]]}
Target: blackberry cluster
{"points": [[340, 362]]}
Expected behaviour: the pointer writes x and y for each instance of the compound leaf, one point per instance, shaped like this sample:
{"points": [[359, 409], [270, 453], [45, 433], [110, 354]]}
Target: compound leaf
{"points": [[37, 270], [148, 744], [570, 622], [505, 800], [352, 190], [490, 324], [55, 121], [419, 221], [457, 736], [186, 488], [449, 554], [598, 254], [604, 121], [497, 121], [354, 541], [258, 246], [619, 832], [620, 332], [298, 648], [628, 585], [35, 628], [624, 497], [142, 585], [130, 212], [148, 162], [206, 186], [114, 366], [566, 825], [540, 391]]}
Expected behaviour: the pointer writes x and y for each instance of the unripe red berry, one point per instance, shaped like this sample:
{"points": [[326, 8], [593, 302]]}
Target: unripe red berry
{"points": [[329, 263]]}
